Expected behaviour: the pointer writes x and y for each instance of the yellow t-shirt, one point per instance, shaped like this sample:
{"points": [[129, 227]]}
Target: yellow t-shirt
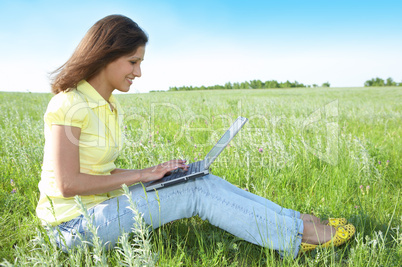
{"points": [[99, 145]]}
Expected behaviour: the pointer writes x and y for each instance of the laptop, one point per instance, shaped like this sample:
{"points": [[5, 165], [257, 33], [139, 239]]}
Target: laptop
{"points": [[199, 168]]}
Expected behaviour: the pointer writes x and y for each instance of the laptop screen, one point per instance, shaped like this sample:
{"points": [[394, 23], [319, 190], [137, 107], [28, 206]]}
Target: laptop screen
{"points": [[224, 141]]}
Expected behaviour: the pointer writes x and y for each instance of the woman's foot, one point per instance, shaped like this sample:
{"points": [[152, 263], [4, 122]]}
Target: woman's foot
{"points": [[317, 233], [320, 235], [310, 218]]}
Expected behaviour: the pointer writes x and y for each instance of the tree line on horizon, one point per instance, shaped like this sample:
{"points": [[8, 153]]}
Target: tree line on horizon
{"points": [[258, 84], [254, 84], [380, 82]]}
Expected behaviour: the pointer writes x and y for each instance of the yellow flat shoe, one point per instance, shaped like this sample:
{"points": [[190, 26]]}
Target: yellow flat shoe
{"points": [[343, 234], [337, 221], [305, 247]]}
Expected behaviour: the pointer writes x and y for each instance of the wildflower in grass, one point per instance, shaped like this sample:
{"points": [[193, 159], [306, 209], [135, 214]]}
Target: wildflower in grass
{"points": [[125, 127], [361, 189], [356, 207], [260, 150], [195, 158], [13, 185], [387, 162], [195, 146], [379, 162]]}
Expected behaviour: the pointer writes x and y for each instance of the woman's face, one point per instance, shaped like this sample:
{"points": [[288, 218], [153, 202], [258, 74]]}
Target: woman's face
{"points": [[120, 73]]}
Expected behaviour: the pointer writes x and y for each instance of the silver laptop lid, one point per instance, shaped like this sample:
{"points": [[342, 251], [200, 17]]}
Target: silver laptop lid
{"points": [[224, 141]]}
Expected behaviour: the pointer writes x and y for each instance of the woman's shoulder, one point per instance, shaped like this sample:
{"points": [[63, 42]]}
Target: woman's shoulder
{"points": [[67, 100], [67, 108]]}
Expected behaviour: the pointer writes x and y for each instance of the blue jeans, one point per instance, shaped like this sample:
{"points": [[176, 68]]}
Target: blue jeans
{"points": [[243, 214]]}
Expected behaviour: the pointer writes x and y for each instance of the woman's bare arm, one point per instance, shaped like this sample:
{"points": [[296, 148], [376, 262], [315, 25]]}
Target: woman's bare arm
{"points": [[70, 181]]}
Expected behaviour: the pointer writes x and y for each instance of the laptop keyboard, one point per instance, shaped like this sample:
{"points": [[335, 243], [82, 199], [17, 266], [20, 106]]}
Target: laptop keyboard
{"points": [[193, 168]]}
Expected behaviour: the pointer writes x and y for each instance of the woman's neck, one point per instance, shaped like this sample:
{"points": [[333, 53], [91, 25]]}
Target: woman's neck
{"points": [[101, 87]]}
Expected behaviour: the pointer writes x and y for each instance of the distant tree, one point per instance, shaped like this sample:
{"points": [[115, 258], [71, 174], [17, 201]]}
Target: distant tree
{"points": [[375, 82], [245, 85], [297, 84], [369, 83], [315, 85], [286, 84], [379, 82], [390, 82], [228, 85], [256, 84], [271, 84], [327, 84]]}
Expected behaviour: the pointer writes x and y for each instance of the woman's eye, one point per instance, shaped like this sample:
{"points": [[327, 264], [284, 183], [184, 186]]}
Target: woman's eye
{"points": [[133, 62]]}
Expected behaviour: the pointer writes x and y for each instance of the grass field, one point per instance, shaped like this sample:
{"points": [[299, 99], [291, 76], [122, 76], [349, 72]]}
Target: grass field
{"points": [[331, 151]]}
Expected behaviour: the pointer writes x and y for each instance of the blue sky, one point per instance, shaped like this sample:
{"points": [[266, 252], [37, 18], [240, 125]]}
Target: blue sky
{"points": [[208, 42]]}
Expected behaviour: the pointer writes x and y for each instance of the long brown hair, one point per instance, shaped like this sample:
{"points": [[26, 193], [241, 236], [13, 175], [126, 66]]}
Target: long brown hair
{"points": [[108, 39]]}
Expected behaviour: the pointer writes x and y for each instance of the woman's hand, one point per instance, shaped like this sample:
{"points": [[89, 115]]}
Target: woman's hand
{"points": [[163, 169]]}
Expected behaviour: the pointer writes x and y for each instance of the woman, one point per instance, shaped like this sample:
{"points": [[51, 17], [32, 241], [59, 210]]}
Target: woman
{"points": [[83, 139]]}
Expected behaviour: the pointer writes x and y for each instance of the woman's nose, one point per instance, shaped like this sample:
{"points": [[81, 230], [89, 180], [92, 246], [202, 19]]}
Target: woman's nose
{"points": [[137, 71]]}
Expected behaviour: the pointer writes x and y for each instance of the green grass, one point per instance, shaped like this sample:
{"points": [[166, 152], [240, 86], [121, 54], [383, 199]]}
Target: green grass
{"points": [[309, 165]]}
